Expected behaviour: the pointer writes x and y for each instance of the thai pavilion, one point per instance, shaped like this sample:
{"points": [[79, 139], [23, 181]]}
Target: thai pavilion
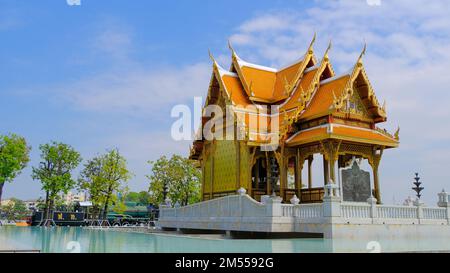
{"points": [[281, 119]]}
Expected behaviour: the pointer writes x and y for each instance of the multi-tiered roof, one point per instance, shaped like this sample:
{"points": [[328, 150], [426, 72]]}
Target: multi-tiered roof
{"points": [[305, 91]]}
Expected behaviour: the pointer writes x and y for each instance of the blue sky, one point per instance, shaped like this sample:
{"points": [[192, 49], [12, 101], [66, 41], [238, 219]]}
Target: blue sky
{"points": [[107, 73]]}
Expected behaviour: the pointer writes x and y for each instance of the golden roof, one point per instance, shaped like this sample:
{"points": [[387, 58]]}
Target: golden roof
{"points": [[302, 91], [343, 132]]}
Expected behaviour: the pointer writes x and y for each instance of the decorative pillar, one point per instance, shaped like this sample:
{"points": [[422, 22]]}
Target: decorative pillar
{"points": [[331, 155], [282, 163], [257, 170], [238, 164], [298, 173], [332, 169], [375, 162], [326, 173], [310, 160], [268, 187]]}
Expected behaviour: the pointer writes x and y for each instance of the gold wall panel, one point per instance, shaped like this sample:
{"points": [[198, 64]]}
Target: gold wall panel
{"points": [[245, 167], [224, 166], [207, 176]]}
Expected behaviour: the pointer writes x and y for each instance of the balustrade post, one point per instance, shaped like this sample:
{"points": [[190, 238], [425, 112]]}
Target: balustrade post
{"points": [[273, 206], [331, 201], [444, 202], [373, 207], [448, 214], [419, 204]]}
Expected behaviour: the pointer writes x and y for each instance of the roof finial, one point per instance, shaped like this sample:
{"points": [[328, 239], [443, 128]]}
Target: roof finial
{"points": [[363, 52], [310, 48], [211, 56], [397, 134], [229, 45], [233, 52], [325, 56]]}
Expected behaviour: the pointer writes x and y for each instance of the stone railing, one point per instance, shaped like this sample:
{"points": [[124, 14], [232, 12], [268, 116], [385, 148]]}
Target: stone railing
{"points": [[332, 208], [418, 213], [241, 205], [434, 213], [305, 211], [356, 210], [397, 212], [302, 211]]}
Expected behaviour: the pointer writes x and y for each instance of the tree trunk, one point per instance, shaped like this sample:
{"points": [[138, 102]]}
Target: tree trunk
{"points": [[46, 212], [105, 208], [1, 191]]}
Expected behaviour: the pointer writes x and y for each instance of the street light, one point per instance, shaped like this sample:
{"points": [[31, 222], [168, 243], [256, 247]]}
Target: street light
{"points": [[274, 171], [165, 189], [417, 187]]}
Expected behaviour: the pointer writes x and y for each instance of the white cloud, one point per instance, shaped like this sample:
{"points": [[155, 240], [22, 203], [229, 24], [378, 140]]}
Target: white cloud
{"points": [[140, 90], [114, 42], [139, 147]]}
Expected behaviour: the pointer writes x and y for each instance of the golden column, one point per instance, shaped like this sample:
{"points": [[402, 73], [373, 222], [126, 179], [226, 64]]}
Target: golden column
{"points": [[310, 161], [375, 163]]}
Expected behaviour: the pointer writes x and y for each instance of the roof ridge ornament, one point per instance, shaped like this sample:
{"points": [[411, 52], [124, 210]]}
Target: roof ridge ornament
{"points": [[311, 44], [211, 56], [302, 67], [233, 52], [325, 56], [397, 134], [229, 45], [363, 52]]}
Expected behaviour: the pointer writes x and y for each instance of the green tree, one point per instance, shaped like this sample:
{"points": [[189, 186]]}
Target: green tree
{"points": [[141, 197], [14, 156], [15, 209], [179, 176], [58, 160], [104, 176]]}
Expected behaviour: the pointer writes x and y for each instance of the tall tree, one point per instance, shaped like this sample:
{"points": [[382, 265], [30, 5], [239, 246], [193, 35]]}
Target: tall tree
{"points": [[103, 176], [15, 209], [141, 197], [14, 156], [178, 176], [58, 160]]}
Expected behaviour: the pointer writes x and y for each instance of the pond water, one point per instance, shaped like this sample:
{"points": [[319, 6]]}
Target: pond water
{"points": [[77, 239]]}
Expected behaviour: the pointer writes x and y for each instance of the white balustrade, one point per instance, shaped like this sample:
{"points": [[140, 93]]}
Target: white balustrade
{"points": [[287, 210], [355, 210], [397, 212], [305, 211], [244, 206], [434, 213]]}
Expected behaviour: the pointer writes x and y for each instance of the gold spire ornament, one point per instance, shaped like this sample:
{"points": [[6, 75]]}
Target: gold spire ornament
{"points": [[310, 48], [396, 135], [363, 52], [325, 56]]}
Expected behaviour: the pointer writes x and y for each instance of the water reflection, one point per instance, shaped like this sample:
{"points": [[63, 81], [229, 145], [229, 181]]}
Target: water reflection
{"points": [[98, 241]]}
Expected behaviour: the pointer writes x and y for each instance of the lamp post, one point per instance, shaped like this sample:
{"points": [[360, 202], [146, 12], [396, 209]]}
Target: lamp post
{"points": [[165, 189], [417, 187], [274, 171]]}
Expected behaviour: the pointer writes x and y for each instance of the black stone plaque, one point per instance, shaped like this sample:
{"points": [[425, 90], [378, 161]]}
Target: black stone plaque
{"points": [[355, 184]]}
